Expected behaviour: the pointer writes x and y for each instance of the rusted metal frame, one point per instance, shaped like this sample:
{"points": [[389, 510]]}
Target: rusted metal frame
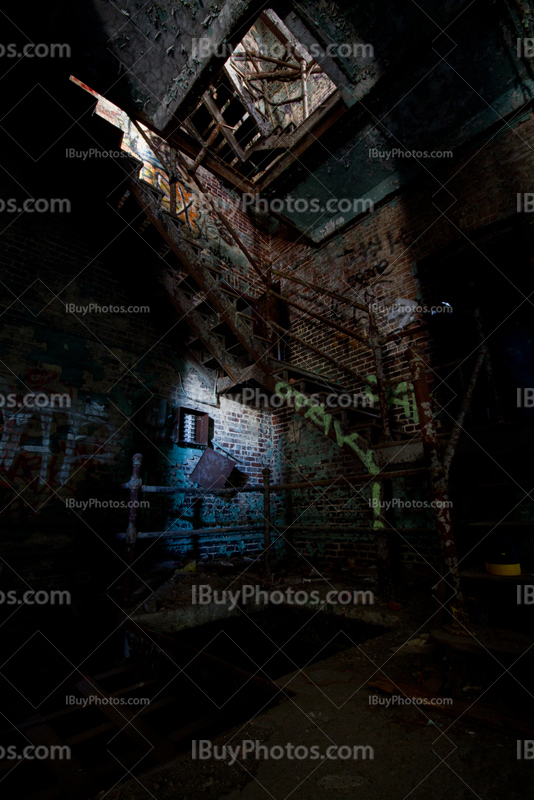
{"points": [[188, 257], [295, 123], [254, 112], [376, 347], [172, 183], [266, 472], [134, 486], [439, 490], [154, 147], [197, 492], [249, 54], [198, 324], [320, 317], [321, 353], [452, 444], [252, 89], [322, 290], [233, 233], [278, 487], [206, 145], [296, 143], [289, 100], [280, 75], [236, 237], [212, 163], [207, 379], [188, 534], [215, 111]]}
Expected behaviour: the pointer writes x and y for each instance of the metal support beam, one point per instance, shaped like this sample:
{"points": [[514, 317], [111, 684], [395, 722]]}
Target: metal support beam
{"points": [[320, 317], [131, 531], [321, 353], [380, 375], [464, 408], [322, 290], [267, 518], [450, 579]]}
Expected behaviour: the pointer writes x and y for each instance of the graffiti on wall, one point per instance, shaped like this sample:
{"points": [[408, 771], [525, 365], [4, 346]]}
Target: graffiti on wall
{"points": [[45, 447], [323, 420], [379, 254], [399, 396], [191, 208]]}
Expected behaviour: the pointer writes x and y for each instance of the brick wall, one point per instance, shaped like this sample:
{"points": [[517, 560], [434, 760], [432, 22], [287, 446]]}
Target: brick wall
{"points": [[110, 368], [376, 260]]}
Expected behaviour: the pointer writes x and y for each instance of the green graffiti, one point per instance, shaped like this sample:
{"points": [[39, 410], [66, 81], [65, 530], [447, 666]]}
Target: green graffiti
{"points": [[322, 419], [400, 396], [376, 491]]}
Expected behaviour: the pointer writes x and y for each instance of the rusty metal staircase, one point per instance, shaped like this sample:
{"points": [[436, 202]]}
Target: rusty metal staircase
{"points": [[225, 326]]}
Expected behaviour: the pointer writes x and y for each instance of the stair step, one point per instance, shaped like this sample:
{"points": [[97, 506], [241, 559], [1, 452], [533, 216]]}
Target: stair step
{"points": [[246, 317], [229, 292]]}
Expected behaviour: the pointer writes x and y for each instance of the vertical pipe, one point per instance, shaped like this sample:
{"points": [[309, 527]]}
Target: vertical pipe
{"points": [[374, 342], [131, 531], [383, 544], [267, 517], [438, 481]]}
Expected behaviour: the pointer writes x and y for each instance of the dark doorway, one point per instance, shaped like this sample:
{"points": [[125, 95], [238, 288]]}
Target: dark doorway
{"points": [[489, 284]]}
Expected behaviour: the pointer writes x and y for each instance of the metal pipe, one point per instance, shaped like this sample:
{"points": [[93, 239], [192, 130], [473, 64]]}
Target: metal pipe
{"points": [[131, 531], [184, 534], [380, 376], [205, 147], [195, 492], [267, 517], [438, 482], [355, 480]]}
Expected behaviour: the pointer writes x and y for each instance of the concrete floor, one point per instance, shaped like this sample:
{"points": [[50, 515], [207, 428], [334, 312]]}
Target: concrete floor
{"points": [[417, 752]]}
